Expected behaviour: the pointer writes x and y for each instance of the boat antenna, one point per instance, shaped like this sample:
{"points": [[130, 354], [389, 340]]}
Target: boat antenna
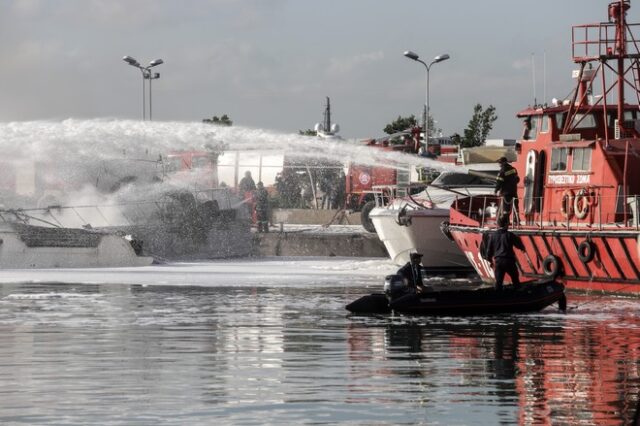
{"points": [[544, 76]]}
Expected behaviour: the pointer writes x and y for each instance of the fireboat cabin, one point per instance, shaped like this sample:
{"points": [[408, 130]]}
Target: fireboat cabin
{"points": [[579, 167]]}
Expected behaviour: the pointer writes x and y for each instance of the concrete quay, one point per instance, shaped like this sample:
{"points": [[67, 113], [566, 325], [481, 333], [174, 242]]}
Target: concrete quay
{"points": [[318, 240]]}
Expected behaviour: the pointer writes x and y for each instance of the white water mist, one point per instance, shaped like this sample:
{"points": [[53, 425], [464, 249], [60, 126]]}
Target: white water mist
{"points": [[75, 154]]}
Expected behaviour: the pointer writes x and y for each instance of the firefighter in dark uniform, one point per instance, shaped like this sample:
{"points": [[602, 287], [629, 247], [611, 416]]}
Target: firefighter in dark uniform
{"points": [[246, 183], [262, 208], [507, 187], [497, 248], [412, 271]]}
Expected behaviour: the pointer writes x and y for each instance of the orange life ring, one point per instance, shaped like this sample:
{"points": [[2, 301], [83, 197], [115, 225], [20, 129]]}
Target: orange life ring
{"points": [[581, 203], [566, 205]]}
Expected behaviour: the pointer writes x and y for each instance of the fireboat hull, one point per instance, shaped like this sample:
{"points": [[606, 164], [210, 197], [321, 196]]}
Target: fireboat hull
{"points": [[586, 260], [577, 175]]}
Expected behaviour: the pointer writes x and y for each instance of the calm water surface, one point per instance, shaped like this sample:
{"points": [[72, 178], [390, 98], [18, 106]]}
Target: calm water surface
{"points": [[283, 350]]}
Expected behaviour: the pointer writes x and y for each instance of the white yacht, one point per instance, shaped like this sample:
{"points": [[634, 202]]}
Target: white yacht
{"points": [[412, 223]]}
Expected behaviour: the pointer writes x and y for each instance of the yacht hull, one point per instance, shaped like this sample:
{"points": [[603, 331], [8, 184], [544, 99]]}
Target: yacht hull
{"points": [[421, 234]]}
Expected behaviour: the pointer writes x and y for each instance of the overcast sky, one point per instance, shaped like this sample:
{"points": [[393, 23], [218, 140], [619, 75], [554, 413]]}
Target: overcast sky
{"points": [[271, 63]]}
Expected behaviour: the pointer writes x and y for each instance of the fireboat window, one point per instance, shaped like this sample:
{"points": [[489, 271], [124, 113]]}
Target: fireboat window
{"points": [[581, 159], [584, 121], [530, 131], [544, 124], [629, 117], [559, 159], [560, 120]]}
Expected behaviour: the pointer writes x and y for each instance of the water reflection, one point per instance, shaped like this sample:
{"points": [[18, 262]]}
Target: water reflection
{"points": [[128, 354], [551, 369]]}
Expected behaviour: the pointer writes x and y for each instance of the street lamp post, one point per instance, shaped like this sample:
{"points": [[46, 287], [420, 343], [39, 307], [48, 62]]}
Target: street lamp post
{"points": [[152, 76], [413, 56], [146, 75]]}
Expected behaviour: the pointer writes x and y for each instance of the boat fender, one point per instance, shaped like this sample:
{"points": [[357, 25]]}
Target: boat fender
{"points": [[444, 228], [551, 266], [586, 251], [566, 205], [403, 219], [366, 221], [581, 204]]}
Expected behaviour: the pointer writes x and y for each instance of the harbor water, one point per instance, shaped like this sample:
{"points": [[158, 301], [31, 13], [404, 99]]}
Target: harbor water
{"points": [[268, 341]]}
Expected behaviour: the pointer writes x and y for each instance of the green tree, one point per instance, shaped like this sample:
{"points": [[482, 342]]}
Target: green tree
{"points": [[224, 120], [404, 123], [479, 126], [456, 139], [400, 124]]}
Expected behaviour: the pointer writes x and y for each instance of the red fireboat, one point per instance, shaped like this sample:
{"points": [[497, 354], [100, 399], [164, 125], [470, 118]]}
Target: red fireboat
{"points": [[579, 168]]}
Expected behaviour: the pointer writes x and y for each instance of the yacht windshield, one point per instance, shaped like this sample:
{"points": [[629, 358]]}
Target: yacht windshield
{"points": [[454, 179]]}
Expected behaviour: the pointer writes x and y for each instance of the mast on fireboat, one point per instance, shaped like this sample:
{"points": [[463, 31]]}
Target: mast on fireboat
{"points": [[600, 43]]}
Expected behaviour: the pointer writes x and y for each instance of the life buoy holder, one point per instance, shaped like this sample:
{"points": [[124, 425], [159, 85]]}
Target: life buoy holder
{"points": [[551, 266], [586, 251], [581, 204], [566, 205]]}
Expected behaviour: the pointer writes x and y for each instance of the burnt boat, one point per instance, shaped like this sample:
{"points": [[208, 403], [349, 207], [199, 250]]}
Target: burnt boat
{"points": [[528, 297]]}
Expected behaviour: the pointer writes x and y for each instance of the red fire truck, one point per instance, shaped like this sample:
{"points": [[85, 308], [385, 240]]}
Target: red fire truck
{"points": [[362, 179], [198, 168]]}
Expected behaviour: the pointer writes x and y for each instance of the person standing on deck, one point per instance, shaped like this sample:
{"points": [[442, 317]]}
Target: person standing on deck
{"points": [[497, 248], [507, 187]]}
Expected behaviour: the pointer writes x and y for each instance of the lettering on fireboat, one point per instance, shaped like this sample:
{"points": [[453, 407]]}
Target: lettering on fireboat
{"points": [[568, 179], [481, 266]]}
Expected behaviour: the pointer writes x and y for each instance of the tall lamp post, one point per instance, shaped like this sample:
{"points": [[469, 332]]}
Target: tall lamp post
{"points": [[413, 56], [146, 75]]}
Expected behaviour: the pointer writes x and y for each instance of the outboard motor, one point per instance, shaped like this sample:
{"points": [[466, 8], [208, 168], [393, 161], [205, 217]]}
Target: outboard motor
{"points": [[394, 285]]}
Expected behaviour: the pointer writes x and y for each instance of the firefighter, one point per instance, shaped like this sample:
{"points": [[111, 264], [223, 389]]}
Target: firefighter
{"points": [[497, 248], [507, 188], [412, 271], [339, 193], [262, 208], [246, 183]]}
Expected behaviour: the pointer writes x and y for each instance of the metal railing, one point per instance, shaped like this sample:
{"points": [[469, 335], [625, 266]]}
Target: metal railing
{"points": [[601, 212], [110, 214], [384, 194]]}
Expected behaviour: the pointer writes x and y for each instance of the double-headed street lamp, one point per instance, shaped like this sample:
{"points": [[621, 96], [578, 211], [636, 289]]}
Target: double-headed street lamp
{"points": [[146, 75], [409, 54]]}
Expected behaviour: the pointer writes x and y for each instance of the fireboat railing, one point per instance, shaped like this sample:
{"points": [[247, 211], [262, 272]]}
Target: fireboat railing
{"points": [[598, 213], [592, 41]]}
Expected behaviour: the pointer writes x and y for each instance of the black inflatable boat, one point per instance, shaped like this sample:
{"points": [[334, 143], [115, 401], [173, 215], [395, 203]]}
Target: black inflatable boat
{"points": [[528, 297]]}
